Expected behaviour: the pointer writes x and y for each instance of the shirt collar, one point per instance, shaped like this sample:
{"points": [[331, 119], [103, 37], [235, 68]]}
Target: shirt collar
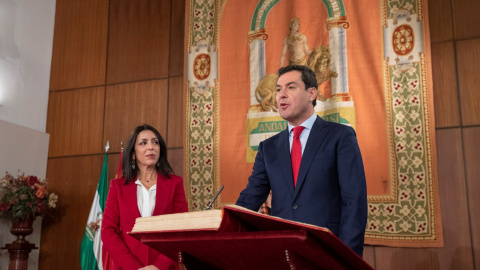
{"points": [[308, 124], [154, 187]]}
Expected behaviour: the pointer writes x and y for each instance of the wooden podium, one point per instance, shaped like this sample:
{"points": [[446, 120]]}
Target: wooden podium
{"points": [[248, 240]]}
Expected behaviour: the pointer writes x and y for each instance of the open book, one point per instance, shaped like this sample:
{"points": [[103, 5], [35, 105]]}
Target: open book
{"points": [[215, 220], [209, 219]]}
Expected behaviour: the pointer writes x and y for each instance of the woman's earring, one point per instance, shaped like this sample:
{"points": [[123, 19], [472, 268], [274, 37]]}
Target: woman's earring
{"points": [[133, 164], [158, 164]]}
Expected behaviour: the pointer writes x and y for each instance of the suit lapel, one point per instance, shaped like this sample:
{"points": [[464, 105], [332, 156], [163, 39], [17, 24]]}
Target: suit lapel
{"points": [[283, 150], [164, 185], [315, 139]]}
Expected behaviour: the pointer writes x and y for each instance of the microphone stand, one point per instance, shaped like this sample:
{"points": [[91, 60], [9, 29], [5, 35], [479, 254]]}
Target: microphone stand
{"points": [[209, 207]]}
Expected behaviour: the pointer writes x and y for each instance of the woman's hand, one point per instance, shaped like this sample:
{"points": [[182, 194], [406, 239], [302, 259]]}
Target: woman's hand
{"points": [[149, 267]]}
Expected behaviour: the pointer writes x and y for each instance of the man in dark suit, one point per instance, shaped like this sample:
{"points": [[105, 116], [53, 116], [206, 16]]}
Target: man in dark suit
{"points": [[315, 171]]}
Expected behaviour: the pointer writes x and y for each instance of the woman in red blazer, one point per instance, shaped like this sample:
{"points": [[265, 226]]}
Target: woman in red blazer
{"points": [[148, 188]]}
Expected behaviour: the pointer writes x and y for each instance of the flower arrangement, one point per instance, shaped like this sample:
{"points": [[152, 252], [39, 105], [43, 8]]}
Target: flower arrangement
{"points": [[24, 197]]}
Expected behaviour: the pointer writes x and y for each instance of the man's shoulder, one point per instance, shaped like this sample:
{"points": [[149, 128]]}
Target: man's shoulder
{"points": [[275, 137], [333, 125]]}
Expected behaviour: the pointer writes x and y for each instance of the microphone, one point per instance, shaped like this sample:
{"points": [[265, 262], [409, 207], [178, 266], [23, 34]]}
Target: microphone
{"points": [[209, 207]]}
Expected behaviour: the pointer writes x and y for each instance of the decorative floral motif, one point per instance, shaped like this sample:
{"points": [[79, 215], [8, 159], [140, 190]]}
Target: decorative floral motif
{"points": [[201, 141], [411, 214], [403, 39], [203, 22], [201, 68], [397, 9]]}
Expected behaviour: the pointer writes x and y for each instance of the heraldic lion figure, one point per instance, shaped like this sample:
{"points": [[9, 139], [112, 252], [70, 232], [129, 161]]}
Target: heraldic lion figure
{"points": [[266, 93], [319, 62]]}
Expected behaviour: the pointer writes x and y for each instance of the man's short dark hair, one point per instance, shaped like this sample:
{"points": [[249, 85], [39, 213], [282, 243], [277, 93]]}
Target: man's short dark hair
{"points": [[308, 77]]}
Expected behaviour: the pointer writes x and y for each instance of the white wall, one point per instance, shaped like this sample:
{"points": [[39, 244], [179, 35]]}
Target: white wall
{"points": [[26, 38]]}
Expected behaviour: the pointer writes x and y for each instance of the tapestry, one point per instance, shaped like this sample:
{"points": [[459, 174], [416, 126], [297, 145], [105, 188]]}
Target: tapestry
{"points": [[372, 62]]}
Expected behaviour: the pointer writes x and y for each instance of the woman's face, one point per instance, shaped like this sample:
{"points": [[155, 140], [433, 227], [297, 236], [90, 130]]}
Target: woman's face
{"points": [[147, 149]]}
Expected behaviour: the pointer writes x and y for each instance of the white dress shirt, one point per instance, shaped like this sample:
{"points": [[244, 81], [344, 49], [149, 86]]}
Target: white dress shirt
{"points": [[146, 199]]}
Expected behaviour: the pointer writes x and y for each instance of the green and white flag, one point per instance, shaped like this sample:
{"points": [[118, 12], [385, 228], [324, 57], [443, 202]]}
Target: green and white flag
{"points": [[91, 247]]}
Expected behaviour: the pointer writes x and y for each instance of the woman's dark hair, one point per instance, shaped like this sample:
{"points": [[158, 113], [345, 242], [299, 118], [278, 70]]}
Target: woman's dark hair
{"points": [[162, 165]]}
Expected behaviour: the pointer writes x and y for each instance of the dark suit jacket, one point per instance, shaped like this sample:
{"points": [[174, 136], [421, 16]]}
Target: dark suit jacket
{"points": [[121, 210], [331, 188]]}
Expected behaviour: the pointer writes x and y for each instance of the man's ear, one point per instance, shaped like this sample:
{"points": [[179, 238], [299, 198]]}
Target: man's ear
{"points": [[313, 93]]}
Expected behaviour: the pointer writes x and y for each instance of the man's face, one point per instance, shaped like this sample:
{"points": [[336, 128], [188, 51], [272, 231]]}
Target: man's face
{"points": [[293, 100], [295, 26]]}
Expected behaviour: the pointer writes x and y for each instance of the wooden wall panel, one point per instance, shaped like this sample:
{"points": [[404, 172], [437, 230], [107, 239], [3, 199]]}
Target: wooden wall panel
{"points": [[468, 66], [80, 44], [175, 158], [177, 34], [74, 180], [471, 141], [408, 258], [457, 250], [447, 111], [176, 117], [75, 121], [113, 160], [441, 20], [369, 255], [111, 89], [132, 104], [466, 19], [138, 41]]}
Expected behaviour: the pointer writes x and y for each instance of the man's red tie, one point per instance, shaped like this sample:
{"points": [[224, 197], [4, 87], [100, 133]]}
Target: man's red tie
{"points": [[296, 153]]}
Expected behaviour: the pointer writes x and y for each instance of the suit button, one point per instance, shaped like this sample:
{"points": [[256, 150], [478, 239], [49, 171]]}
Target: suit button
{"points": [[295, 207]]}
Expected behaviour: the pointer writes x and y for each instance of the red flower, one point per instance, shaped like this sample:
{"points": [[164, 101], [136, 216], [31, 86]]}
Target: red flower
{"points": [[41, 191], [31, 180], [41, 207], [4, 207]]}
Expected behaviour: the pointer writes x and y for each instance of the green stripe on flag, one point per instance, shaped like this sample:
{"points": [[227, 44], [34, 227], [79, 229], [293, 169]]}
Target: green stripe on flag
{"points": [[102, 187], [87, 257], [88, 254]]}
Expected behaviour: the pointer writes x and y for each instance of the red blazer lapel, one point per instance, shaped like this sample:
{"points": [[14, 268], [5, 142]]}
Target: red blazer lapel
{"points": [[131, 196], [164, 185]]}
